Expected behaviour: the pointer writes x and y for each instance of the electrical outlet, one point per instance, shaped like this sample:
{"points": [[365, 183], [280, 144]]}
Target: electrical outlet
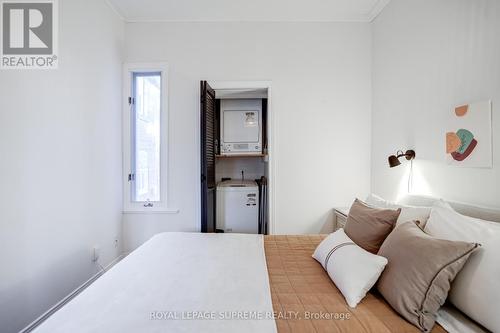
{"points": [[96, 252]]}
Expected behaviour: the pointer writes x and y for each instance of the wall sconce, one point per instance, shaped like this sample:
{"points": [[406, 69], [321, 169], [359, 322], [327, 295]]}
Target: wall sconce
{"points": [[394, 159]]}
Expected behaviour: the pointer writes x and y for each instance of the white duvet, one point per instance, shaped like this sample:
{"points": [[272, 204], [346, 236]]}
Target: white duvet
{"points": [[177, 282]]}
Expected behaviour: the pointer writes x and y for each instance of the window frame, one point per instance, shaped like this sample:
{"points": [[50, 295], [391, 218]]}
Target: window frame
{"points": [[129, 69]]}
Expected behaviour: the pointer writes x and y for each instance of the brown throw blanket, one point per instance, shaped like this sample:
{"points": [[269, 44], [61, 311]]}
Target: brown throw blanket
{"points": [[306, 300]]}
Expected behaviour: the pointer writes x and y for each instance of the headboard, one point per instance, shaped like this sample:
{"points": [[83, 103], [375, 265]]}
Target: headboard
{"points": [[483, 213]]}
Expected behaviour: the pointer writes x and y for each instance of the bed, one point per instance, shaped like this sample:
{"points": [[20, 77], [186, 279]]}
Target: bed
{"points": [[192, 282], [177, 282], [185, 282]]}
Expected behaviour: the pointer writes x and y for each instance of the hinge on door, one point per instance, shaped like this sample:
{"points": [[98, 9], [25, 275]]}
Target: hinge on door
{"points": [[131, 177], [131, 100]]}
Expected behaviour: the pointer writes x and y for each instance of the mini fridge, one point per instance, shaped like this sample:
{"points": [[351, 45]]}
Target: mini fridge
{"points": [[237, 207]]}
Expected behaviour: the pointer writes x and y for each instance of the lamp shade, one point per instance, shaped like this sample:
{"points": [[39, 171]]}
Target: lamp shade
{"points": [[410, 155], [393, 161]]}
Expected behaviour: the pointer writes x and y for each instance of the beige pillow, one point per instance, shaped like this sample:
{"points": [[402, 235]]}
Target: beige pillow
{"points": [[368, 226], [418, 276]]}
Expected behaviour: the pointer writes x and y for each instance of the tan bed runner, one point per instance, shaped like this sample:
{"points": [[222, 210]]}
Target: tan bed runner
{"points": [[306, 300]]}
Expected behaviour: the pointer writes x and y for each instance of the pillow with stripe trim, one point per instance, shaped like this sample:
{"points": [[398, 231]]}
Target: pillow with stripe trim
{"points": [[353, 269]]}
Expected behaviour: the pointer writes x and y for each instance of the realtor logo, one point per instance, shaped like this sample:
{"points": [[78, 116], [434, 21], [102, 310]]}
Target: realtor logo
{"points": [[29, 34]]}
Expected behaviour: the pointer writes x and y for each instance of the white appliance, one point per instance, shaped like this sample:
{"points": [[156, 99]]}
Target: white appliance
{"points": [[237, 207], [241, 126]]}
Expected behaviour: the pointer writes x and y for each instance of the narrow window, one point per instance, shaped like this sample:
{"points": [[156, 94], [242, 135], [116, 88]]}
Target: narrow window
{"points": [[145, 138], [146, 129]]}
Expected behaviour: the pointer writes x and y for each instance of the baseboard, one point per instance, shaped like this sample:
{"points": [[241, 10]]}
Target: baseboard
{"points": [[70, 296]]}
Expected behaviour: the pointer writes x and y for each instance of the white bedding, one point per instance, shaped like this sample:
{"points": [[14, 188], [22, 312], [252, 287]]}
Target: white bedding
{"points": [[454, 321], [173, 278]]}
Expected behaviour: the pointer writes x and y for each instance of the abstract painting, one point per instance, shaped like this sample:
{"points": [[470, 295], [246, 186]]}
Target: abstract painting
{"points": [[469, 136]]}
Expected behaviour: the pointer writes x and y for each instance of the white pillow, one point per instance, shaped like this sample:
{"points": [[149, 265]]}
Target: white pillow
{"points": [[353, 269], [476, 289], [408, 213], [375, 200]]}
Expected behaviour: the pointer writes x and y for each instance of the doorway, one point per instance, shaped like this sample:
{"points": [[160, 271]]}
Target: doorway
{"points": [[235, 159]]}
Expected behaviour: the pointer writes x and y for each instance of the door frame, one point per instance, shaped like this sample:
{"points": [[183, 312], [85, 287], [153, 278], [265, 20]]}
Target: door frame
{"points": [[271, 135]]}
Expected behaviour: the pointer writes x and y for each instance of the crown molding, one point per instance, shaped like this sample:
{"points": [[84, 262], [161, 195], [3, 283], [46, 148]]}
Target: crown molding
{"points": [[368, 17], [115, 10], [377, 9]]}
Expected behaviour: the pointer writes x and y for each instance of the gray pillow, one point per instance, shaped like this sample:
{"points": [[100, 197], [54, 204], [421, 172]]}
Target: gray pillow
{"points": [[419, 272], [368, 226]]}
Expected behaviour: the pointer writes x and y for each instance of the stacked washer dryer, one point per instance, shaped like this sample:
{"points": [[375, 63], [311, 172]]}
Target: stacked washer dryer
{"points": [[241, 124]]}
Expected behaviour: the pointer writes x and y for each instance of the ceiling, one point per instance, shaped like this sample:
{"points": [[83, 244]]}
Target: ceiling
{"points": [[248, 10]]}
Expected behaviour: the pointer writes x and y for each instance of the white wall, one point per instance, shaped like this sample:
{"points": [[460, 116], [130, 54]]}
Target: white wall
{"points": [[60, 149], [430, 56], [252, 167], [321, 96]]}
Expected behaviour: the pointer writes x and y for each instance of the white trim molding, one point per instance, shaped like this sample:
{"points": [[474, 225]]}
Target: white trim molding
{"points": [[115, 10], [347, 17], [37, 322], [159, 211], [377, 10]]}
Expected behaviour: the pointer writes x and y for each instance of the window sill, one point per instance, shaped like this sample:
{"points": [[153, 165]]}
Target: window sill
{"points": [[151, 211]]}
